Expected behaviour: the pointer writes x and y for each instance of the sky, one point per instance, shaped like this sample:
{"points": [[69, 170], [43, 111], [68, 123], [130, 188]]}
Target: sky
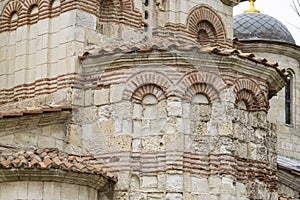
{"points": [[279, 9]]}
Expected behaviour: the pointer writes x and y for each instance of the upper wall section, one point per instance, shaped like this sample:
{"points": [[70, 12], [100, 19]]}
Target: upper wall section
{"points": [[115, 16]]}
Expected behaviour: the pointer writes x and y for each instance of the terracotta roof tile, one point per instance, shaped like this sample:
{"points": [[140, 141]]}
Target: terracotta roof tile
{"points": [[35, 110], [50, 158]]}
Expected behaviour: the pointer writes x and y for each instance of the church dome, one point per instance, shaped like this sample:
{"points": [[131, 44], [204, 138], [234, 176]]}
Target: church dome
{"points": [[260, 27]]}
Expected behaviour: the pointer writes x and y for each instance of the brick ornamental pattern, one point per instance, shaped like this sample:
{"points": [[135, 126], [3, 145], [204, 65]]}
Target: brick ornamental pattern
{"points": [[105, 10]]}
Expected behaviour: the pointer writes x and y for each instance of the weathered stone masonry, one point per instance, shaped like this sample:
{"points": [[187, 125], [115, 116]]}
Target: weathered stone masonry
{"points": [[168, 108]]}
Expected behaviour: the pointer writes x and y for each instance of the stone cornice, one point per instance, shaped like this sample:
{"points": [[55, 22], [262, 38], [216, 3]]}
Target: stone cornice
{"points": [[56, 175]]}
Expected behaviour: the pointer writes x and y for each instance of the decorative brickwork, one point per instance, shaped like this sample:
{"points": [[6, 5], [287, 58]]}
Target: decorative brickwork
{"points": [[139, 93], [39, 87], [119, 11], [248, 91], [134, 87], [201, 83], [206, 26], [108, 11]]}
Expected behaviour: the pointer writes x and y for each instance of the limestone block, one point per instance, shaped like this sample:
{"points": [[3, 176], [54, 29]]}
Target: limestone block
{"points": [[4, 38], [26, 139], [42, 56], [171, 126], [137, 196], [22, 190], [101, 97], [116, 92], [227, 186], [20, 62], [215, 184], [85, 20], [33, 33], [56, 131], [174, 182], [20, 36], [137, 127], [174, 196], [62, 51], [8, 191], [69, 191], [83, 193], [199, 185], [242, 150], [35, 190], [92, 38], [137, 110], [3, 54], [134, 182], [149, 182], [241, 190], [206, 197], [104, 113], [174, 108], [136, 145], [45, 142], [21, 47], [43, 26], [157, 125], [153, 144], [74, 134], [127, 126], [150, 111], [87, 131], [225, 128], [198, 128], [13, 37], [121, 142]]}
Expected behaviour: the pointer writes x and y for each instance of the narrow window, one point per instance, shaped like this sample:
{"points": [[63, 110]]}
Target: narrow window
{"points": [[288, 100]]}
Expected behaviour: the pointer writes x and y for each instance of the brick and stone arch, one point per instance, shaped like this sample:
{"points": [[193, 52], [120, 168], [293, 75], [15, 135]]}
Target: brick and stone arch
{"points": [[147, 82], [32, 8], [11, 14], [249, 95], [205, 25], [54, 7], [205, 83], [149, 89]]}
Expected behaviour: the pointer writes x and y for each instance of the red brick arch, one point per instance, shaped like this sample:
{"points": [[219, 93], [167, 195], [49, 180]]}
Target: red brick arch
{"points": [[203, 18], [142, 91], [197, 82], [9, 9], [147, 82], [248, 91]]}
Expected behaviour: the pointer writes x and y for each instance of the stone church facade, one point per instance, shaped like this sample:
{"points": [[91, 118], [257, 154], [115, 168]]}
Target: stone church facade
{"points": [[142, 99]]}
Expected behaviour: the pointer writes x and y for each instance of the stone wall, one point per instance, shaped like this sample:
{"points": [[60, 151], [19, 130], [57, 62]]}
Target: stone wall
{"points": [[45, 190], [288, 134], [178, 131], [40, 41]]}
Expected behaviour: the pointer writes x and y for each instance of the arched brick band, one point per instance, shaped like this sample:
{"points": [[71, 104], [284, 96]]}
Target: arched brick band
{"points": [[142, 81], [204, 18], [248, 91], [122, 12], [142, 91], [5, 20], [201, 82]]}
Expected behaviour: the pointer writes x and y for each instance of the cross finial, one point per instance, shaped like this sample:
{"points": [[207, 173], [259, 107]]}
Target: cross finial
{"points": [[251, 9]]}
